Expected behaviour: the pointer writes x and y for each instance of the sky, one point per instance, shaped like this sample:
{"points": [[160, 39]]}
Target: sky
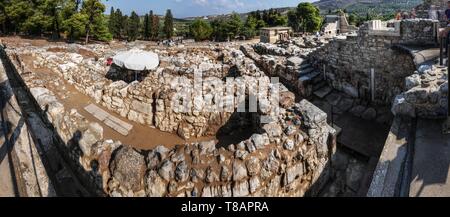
{"points": [[189, 8]]}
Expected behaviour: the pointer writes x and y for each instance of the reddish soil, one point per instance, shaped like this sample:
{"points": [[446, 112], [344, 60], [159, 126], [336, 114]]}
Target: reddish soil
{"points": [[142, 137]]}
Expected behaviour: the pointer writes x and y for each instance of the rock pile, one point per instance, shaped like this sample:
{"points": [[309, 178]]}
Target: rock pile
{"points": [[426, 94]]}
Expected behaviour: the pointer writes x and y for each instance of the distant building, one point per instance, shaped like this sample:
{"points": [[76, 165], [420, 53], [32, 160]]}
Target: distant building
{"points": [[275, 34], [336, 24]]}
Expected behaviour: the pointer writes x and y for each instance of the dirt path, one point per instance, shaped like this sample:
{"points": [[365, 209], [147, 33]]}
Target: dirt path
{"points": [[141, 136]]}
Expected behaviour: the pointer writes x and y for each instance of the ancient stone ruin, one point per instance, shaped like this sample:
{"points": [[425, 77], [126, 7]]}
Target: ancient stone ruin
{"points": [[81, 109]]}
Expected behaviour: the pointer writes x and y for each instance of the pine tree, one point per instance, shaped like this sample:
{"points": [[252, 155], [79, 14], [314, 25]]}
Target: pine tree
{"points": [[147, 26], [133, 27], [112, 22], [18, 11], [71, 21], [155, 26], [168, 24], [93, 9], [200, 30], [118, 17], [124, 24]]}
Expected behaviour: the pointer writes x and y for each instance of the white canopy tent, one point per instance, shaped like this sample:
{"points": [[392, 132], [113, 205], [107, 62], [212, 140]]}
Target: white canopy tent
{"points": [[136, 60]]}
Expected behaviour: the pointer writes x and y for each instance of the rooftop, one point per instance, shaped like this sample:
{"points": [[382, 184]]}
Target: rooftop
{"points": [[277, 28]]}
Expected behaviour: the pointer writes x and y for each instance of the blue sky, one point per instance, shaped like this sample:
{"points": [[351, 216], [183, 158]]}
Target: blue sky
{"points": [[187, 8]]}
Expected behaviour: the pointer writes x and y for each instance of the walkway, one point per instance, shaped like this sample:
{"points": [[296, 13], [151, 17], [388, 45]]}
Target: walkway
{"points": [[118, 125], [419, 54], [431, 164], [8, 187]]}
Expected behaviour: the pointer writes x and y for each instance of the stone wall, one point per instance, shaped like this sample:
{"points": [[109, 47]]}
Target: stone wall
{"points": [[426, 94], [287, 157], [348, 61], [149, 102]]}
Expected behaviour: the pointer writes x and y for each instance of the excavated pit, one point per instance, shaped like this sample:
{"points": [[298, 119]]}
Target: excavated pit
{"points": [[223, 154]]}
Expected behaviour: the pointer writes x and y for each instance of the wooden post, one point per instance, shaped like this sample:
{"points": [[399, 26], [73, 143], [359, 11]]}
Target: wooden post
{"points": [[372, 84], [441, 52], [448, 84]]}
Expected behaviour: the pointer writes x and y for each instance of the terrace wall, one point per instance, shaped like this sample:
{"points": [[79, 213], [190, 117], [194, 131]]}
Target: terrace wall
{"points": [[348, 61]]}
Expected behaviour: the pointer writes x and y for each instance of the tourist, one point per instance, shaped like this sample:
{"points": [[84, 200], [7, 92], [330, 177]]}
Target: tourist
{"points": [[405, 15], [413, 13], [445, 33], [432, 13], [398, 15]]}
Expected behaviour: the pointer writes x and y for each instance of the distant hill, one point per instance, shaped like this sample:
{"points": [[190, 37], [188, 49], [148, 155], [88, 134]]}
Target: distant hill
{"points": [[360, 7], [365, 6]]}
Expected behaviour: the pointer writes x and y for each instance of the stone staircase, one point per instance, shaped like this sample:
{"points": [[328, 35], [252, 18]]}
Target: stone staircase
{"points": [[311, 82]]}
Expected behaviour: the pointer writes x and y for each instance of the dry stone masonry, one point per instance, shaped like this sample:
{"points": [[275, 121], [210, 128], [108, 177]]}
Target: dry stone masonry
{"points": [[287, 157]]}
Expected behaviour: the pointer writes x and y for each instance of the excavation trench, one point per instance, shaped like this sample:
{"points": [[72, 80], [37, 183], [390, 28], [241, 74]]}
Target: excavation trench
{"points": [[62, 171], [81, 163], [360, 141]]}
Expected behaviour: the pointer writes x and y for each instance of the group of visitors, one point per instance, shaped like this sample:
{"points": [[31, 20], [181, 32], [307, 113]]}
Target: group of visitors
{"points": [[400, 15], [444, 33]]}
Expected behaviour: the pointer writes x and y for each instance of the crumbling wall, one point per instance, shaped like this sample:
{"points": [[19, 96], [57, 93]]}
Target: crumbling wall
{"points": [[348, 60], [288, 157], [426, 94], [149, 102]]}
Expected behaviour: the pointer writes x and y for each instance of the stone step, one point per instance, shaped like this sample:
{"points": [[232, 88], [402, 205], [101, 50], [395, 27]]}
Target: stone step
{"points": [[319, 85], [323, 92], [115, 123], [305, 71], [305, 66], [318, 79], [309, 76]]}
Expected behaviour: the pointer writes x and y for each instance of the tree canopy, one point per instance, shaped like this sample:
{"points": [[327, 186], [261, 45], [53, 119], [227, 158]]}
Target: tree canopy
{"points": [[306, 17], [168, 24], [200, 30]]}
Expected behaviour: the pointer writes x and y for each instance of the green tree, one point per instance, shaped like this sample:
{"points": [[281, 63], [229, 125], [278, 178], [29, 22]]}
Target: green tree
{"points": [[112, 22], [280, 20], [18, 11], [118, 24], [250, 27], [53, 8], [75, 25], [154, 30], [100, 29], [308, 17], [219, 29], [293, 20], [352, 19], [133, 27], [37, 23], [94, 10], [124, 24], [168, 24], [147, 26], [3, 16], [258, 15], [200, 30], [69, 9], [234, 26]]}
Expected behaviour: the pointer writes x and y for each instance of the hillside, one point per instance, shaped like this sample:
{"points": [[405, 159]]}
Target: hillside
{"points": [[360, 7], [367, 6]]}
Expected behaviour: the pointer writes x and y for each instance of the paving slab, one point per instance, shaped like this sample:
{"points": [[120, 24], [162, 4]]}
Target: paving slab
{"points": [[431, 163], [115, 123], [323, 92]]}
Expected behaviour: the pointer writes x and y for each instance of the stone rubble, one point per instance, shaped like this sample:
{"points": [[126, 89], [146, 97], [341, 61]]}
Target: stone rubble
{"points": [[257, 166]]}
